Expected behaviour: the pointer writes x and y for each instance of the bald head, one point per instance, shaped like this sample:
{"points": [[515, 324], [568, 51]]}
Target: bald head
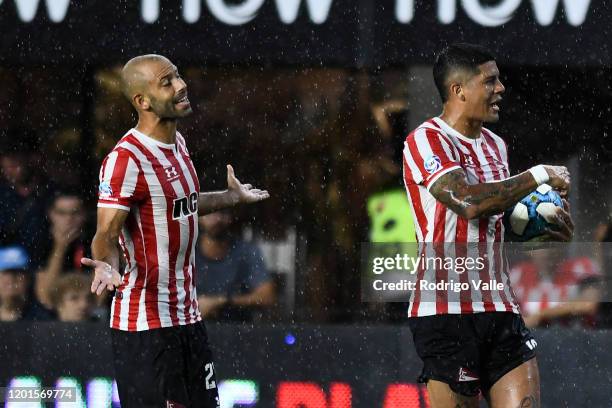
{"points": [[138, 72]]}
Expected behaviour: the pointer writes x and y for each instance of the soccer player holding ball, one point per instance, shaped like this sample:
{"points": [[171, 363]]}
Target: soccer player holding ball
{"points": [[458, 181], [149, 203]]}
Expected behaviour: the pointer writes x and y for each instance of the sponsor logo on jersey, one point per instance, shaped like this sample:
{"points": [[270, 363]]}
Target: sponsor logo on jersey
{"points": [[185, 206]]}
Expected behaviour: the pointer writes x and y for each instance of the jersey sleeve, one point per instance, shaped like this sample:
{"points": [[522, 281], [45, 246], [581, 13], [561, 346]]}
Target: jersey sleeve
{"points": [[121, 182], [428, 155]]}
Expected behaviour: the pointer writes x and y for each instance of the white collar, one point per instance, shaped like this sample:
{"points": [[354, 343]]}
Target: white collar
{"points": [[449, 129]]}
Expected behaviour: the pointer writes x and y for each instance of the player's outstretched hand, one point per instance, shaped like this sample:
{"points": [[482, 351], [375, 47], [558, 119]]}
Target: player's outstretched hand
{"points": [[564, 221], [245, 193], [559, 179], [105, 277]]}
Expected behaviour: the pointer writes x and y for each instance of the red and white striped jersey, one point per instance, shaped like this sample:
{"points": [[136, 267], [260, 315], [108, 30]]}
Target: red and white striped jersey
{"points": [[430, 151], [536, 291], [158, 185]]}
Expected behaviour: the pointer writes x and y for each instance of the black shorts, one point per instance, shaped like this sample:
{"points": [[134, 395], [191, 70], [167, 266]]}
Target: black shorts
{"points": [[471, 352], [167, 367]]}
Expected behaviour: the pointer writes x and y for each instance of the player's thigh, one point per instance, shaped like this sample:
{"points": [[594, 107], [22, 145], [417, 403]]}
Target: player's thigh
{"points": [[169, 366], [441, 396], [520, 388], [202, 381], [134, 370]]}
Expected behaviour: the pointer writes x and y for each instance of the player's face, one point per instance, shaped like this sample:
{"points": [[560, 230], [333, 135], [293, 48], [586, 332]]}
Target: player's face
{"points": [[168, 92], [483, 93]]}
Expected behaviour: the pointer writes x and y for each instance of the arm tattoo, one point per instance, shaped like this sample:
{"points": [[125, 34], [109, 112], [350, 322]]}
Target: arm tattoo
{"points": [[484, 199], [529, 402]]}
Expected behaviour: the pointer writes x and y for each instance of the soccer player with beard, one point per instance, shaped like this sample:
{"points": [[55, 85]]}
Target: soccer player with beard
{"points": [[458, 181], [149, 203]]}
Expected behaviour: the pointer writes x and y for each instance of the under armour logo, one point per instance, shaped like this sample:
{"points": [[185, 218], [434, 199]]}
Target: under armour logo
{"points": [[469, 161], [171, 172]]}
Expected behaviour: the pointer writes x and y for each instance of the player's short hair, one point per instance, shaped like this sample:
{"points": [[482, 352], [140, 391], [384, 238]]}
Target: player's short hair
{"points": [[458, 57]]}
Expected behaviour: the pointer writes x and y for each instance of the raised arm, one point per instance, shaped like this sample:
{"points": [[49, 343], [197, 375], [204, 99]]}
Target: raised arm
{"points": [[485, 199], [104, 249], [236, 193]]}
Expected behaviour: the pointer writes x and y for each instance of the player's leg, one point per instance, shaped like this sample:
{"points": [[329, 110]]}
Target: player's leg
{"points": [[169, 366], [510, 374], [441, 396], [519, 388], [202, 381], [449, 347], [134, 370]]}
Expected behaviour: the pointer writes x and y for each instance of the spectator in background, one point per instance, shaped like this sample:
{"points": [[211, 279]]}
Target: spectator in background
{"points": [[603, 235], [23, 199], [553, 289], [232, 279], [72, 299], [15, 304], [67, 247]]}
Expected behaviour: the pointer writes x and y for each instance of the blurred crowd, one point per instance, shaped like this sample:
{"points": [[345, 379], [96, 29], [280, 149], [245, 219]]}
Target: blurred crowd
{"points": [[325, 143]]}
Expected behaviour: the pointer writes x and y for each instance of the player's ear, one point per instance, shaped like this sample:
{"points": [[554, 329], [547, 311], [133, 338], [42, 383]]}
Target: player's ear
{"points": [[141, 102], [457, 90]]}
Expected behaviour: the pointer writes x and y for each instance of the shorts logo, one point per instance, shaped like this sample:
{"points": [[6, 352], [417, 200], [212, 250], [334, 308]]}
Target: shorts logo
{"points": [[467, 375], [105, 189], [172, 404], [432, 164], [531, 344]]}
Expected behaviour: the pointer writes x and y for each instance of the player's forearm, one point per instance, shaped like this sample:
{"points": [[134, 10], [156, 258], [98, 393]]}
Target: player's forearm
{"points": [[104, 248], [484, 199], [215, 200]]}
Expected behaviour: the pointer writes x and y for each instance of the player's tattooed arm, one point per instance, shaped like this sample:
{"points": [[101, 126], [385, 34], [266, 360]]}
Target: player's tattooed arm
{"points": [[480, 200]]}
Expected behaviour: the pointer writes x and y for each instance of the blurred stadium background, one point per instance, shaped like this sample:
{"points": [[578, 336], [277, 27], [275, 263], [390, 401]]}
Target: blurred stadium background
{"points": [[311, 99]]}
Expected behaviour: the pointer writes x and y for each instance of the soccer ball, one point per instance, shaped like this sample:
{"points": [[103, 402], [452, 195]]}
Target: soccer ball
{"points": [[530, 217]]}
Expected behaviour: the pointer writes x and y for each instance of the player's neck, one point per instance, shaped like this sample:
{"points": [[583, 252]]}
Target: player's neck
{"points": [[161, 130], [467, 127]]}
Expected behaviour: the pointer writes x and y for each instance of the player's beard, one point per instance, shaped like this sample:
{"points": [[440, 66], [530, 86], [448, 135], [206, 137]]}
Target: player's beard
{"points": [[167, 110]]}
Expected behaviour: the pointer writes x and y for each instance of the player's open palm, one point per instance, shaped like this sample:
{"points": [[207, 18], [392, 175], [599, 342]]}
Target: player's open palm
{"points": [[244, 193], [105, 277]]}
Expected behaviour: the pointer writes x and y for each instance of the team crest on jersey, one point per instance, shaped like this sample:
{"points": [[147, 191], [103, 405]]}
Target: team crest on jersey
{"points": [[432, 164], [105, 189]]}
